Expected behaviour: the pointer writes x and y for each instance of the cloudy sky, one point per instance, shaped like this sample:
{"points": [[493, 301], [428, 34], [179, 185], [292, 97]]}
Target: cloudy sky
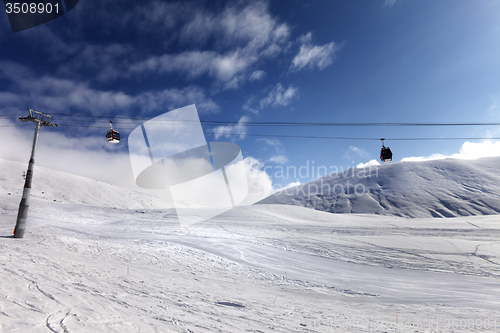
{"points": [[248, 62]]}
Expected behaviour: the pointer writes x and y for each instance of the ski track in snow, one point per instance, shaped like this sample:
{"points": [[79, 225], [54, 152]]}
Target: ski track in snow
{"points": [[264, 268], [277, 272]]}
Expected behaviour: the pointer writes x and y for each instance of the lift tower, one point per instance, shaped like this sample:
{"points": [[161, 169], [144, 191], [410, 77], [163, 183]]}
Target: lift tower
{"points": [[40, 119]]}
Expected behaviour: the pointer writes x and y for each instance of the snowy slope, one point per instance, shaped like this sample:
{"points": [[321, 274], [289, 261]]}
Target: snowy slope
{"points": [[440, 188], [51, 185], [261, 268]]}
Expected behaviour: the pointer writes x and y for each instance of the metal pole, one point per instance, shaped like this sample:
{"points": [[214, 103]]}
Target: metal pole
{"points": [[41, 119], [22, 214]]}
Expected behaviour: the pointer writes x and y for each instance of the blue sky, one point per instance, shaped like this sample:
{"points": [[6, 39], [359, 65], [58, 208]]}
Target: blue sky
{"points": [[257, 61]]}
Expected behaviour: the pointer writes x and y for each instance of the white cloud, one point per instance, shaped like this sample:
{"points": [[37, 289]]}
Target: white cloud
{"points": [[153, 15], [252, 24], [228, 68], [225, 43], [305, 39], [271, 142], [106, 60], [358, 151], [232, 130], [368, 164], [389, 3], [59, 95], [279, 159], [198, 29], [94, 158], [50, 41], [247, 106], [313, 56], [277, 146], [260, 184], [10, 99], [77, 57], [87, 156], [469, 150], [472, 150], [297, 183], [240, 36], [257, 75], [236, 24], [169, 99], [279, 96], [192, 63]]}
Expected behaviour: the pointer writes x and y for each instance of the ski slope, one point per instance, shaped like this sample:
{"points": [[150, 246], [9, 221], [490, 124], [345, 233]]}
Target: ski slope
{"points": [[267, 268], [438, 188], [57, 186]]}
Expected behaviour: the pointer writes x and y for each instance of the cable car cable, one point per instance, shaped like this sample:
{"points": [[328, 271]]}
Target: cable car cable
{"points": [[235, 123], [303, 136]]}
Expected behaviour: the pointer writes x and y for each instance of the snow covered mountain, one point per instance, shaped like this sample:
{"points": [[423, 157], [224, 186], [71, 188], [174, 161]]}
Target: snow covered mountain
{"points": [[438, 188], [52, 185]]}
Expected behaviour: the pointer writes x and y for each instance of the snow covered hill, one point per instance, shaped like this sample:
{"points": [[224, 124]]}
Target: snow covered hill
{"points": [[52, 185], [439, 188], [85, 267]]}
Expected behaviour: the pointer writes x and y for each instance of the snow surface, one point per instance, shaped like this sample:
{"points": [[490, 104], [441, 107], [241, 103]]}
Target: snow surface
{"points": [[262, 268], [52, 185], [439, 188]]}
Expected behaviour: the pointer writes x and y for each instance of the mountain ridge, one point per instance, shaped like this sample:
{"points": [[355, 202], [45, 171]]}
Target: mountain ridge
{"points": [[437, 188]]}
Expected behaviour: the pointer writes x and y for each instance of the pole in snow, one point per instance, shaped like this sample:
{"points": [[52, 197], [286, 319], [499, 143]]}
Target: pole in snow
{"points": [[40, 119]]}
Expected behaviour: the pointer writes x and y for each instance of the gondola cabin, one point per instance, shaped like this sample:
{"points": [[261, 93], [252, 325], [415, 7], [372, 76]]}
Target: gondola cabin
{"points": [[385, 153], [112, 136]]}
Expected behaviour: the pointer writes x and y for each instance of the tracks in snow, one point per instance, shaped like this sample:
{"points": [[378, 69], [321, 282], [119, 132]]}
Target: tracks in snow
{"points": [[55, 322]]}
